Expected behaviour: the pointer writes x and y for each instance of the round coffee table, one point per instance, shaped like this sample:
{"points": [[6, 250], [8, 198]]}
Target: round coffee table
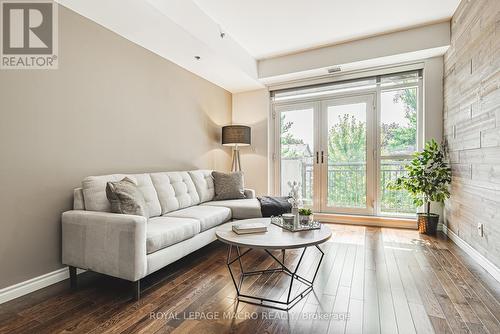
{"points": [[275, 238]]}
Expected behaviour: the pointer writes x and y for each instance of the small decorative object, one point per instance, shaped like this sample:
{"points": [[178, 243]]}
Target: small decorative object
{"points": [[288, 219], [429, 176], [305, 216], [280, 221], [295, 200], [236, 136]]}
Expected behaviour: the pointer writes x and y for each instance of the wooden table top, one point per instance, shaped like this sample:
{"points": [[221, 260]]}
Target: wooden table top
{"points": [[275, 237]]}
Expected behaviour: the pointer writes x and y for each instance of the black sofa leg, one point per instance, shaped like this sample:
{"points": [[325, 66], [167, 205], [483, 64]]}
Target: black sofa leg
{"points": [[137, 289], [73, 281]]}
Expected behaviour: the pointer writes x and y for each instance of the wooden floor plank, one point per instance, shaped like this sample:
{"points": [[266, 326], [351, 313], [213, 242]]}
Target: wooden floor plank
{"points": [[451, 283], [354, 323], [341, 306], [436, 279], [388, 322], [371, 312], [421, 321], [400, 300], [467, 281]]}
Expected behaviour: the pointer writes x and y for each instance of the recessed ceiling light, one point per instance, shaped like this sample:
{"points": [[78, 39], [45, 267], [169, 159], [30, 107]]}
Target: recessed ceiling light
{"points": [[197, 57]]}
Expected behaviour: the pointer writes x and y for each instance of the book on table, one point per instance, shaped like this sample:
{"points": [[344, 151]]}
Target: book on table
{"points": [[245, 228]]}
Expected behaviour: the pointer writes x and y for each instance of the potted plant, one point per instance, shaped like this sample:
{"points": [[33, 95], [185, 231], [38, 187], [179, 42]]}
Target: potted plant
{"points": [[427, 180], [305, 216]]}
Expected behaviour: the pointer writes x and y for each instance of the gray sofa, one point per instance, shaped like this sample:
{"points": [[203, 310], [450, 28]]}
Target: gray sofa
{"points": [[183, 218]]}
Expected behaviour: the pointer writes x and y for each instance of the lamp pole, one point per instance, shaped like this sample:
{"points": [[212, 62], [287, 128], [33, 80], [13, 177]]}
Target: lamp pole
{"points": [[236, 164]]}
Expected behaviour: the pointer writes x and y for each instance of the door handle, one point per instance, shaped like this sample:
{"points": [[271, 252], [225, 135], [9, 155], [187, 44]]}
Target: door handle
{"points": [[317, 157], [322, 156]]}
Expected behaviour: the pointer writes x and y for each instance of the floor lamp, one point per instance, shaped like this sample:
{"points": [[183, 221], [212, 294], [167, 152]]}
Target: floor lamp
{"points": [[236, 136]]}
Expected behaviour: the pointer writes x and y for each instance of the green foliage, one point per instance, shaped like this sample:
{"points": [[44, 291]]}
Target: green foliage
{"points": [[396, 138], [428, 176], [347, 144], [305, 212], [287, 139], [347, 140]]}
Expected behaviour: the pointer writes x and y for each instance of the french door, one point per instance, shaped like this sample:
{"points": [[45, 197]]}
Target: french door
{"points": [[347, 155], [328, 147]]}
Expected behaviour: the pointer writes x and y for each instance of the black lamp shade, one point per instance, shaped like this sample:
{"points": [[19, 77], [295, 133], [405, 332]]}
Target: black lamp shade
{"points": [[233, 135]]}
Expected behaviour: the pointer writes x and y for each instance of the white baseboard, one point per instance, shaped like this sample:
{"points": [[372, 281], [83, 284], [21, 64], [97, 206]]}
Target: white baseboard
{"points": [[478, 257], [37, 283]]}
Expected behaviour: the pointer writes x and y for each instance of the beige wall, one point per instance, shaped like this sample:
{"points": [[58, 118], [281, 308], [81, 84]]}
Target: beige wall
{"points": [[112, 106], [472, 125], [252, 109]]}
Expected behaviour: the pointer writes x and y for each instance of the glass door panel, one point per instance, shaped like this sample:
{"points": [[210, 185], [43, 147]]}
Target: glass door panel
{"points": [[346, 155], [398, 143], [297, 142]]}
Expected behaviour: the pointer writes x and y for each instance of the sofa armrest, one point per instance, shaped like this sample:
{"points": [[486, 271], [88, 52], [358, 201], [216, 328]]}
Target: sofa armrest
{"points": [[249, 193], [107, 243]]}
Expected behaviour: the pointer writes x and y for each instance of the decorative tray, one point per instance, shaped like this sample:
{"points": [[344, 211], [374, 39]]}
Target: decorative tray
{"points": [[278, 221]]}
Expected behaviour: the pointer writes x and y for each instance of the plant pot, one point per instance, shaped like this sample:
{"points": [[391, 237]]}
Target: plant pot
{"points": [[427, 223], [305, 220]]}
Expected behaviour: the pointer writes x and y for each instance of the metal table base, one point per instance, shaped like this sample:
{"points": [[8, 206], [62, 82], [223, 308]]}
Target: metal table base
{"points": [[268, 302]]}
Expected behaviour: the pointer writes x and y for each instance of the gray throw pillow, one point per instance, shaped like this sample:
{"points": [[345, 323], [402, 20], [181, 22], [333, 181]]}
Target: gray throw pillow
{"points": [[228, 185], [126, 198]]}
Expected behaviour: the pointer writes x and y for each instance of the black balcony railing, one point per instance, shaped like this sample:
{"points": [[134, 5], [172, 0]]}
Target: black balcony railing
{"points": [[347, 186]]}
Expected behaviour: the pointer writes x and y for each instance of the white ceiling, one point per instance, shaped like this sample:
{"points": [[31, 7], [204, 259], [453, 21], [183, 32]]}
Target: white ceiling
{"points": [[255, 30], [267, 28]]}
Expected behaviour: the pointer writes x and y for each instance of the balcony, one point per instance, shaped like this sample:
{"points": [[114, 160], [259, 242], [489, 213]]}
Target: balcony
{"points": [[347, 185]]}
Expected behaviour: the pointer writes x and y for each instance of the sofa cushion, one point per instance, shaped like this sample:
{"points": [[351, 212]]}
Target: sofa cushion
{"points": [[240, 208], [204, 184], [175, 190], [209, 216], [126, 198], [94, 192], [228, 185], [162, 232]]}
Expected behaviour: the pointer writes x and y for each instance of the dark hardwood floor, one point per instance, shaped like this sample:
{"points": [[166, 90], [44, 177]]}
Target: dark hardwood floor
{"points": [[372, 280]]}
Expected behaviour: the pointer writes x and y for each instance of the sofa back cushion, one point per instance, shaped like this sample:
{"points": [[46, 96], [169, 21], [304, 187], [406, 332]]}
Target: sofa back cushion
{"points": [[228, 185], [204, 184], [126, 198], [175, 190], [94, 192]]}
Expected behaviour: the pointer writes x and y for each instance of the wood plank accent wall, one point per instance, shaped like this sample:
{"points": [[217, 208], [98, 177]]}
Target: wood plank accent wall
{"points": [[472, 124]]}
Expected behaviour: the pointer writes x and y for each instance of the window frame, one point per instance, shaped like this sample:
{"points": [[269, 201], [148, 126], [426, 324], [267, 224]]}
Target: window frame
{"points": [[276, 106]]}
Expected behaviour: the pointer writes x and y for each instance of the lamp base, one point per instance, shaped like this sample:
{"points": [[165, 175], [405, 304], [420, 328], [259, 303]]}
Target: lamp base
{"points": [[236, 164]]}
